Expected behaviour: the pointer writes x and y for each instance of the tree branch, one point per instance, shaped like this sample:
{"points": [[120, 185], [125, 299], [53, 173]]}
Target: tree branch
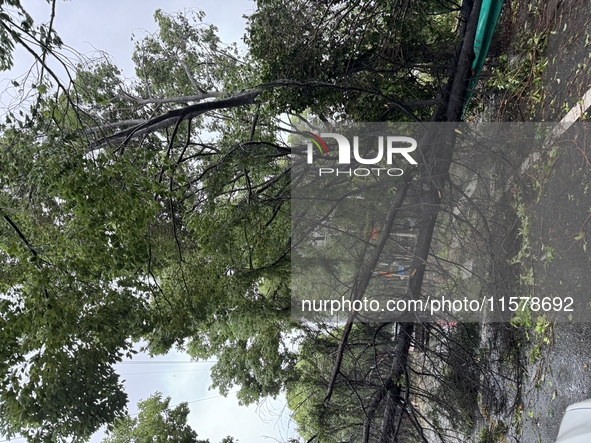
{"points": [[361, 283], [119, 124], [161, 101], [171, 117]]}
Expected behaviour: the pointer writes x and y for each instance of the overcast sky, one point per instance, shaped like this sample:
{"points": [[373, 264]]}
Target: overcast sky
{"points": [[107, 25], [90, 27]]}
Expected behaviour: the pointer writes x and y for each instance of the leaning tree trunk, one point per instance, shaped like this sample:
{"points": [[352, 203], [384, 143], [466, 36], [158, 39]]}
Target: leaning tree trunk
{"points": [[438, 158]]}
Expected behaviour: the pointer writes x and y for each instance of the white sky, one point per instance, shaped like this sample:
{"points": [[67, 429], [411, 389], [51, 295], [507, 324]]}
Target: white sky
{"points": [[107, 25], [212, 416], [93, 26]]}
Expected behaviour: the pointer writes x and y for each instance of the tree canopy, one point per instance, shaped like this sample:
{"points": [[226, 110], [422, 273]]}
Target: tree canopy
{"points": [[159, 209], [156, 422], [18, 30]]}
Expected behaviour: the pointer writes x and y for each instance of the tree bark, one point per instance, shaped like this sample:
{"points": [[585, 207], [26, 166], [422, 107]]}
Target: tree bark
{"points": [[171, 117]]}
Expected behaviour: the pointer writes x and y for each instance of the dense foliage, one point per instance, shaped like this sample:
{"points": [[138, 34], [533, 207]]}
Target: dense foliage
{"points": [[159, 210], [156, 422]]}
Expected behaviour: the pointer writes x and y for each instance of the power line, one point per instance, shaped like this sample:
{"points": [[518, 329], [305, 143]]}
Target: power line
{"points": [[148, 362], [190, 402], [164, 372], [203, 399]]}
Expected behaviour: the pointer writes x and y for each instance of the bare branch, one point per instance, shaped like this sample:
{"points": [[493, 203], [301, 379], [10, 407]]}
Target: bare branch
{"points": [[191, 78], [183, 99], [363, 281], [171, 117], [120, 124]]}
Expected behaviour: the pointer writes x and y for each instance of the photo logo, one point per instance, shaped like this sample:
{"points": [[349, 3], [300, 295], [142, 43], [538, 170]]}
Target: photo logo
{"points": [[320, 144], [394, 145]]}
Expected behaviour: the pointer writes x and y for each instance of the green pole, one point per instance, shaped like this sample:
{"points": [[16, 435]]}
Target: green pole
{"points": [[487, 22]]}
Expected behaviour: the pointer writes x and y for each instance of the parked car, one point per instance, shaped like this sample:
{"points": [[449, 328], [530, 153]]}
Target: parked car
{"points": [[576, 424]]}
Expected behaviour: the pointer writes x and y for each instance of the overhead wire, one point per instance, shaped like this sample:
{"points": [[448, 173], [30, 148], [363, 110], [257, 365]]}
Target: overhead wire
{"points": [[163, 372], [148, 362], [193, 401]]}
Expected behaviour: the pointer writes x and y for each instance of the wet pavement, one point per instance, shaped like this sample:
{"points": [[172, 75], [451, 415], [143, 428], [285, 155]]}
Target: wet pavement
{"points": [[557, 196]]}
